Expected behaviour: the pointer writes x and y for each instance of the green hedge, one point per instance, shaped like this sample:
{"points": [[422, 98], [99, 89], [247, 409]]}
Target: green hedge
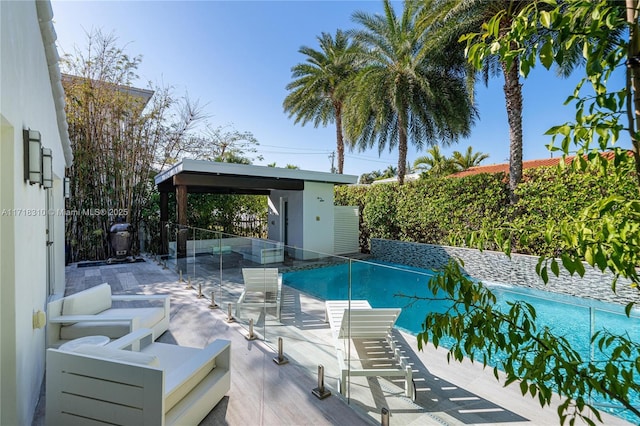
{"points": [[445, 210]]}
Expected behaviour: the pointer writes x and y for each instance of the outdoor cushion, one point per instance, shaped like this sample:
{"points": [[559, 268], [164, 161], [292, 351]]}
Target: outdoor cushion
{"points": [[118, 355], [175, 361], [177, 387], [171, 356], [181, 389], [88, 302]]}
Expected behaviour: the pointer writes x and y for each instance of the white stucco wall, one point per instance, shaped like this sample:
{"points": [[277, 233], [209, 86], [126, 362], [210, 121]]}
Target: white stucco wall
{"points": [[26, 102], [310, 221], [318, 221]]}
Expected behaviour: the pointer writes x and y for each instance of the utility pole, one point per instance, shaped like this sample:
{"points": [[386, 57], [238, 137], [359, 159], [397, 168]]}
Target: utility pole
{"points": [[332, 156]]}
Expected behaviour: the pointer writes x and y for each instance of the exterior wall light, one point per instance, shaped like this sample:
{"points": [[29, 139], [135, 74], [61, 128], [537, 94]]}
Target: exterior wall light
{"points": [[67, 188], [47, 168], [32, 153]]}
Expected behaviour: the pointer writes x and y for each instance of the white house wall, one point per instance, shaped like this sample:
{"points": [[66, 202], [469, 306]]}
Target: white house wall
{"points": [[310, 222], [318, 218], [26, 102]]}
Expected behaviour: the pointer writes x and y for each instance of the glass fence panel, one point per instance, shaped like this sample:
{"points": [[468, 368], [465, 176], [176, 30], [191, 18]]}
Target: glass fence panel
{"points": [[612, 319], [200, 263], [303, 327], [170, 256], [354, 316], [577, 320], [376, 353], [250, 281]]}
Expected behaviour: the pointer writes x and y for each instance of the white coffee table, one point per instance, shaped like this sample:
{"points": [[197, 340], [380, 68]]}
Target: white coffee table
{"points": [[87, 340]]}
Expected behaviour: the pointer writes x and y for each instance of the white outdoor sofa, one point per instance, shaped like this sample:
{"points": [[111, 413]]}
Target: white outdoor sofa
{"points": [[92, 312], [262, 252], [134, 381]]}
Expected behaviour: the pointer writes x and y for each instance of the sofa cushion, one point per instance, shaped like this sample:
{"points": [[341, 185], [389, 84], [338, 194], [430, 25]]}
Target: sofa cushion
{"points": [[147, 318], [88, 302], [180, 377], [120, 355]]}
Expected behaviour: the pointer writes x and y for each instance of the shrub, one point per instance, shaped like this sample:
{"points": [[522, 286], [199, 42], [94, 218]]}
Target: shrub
{"points": [[445, 210]]}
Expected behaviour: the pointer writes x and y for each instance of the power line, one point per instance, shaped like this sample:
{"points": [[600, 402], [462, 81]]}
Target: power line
{"points": [[291, 147], [370, 159], [360, 157], [294, 153]]}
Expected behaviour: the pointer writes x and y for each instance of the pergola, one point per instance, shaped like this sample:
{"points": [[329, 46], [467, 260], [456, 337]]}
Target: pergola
{"points": [[197, 176]]}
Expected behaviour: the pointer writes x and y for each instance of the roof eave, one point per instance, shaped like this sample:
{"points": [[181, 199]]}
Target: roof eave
{"points": [[49, 37]]}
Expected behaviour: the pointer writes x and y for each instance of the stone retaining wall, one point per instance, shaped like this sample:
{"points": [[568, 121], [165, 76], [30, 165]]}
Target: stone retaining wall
{"points": [[493, 266]]}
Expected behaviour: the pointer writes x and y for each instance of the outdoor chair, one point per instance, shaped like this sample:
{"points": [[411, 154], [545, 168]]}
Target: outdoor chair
{"points": [[94, 312], [368, 331], [262, 289], [135, 381]]}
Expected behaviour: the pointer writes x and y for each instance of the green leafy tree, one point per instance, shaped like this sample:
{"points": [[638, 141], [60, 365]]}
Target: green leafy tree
{"points": [[540, 361], [605, 234], [320, 84], [244, 215], [221, 143], [403, 92], [119, 135], [468, 159]]}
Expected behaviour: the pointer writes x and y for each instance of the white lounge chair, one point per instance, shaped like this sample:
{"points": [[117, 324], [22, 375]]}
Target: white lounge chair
{"points": [[262, 289], [366, 327]]}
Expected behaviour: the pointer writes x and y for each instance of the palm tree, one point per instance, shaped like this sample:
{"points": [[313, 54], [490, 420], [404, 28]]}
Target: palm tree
{"points": [[457, 17], [389, 172], [367, 178], [435, 163], [468, 159], [402, 94], [317, 91]]}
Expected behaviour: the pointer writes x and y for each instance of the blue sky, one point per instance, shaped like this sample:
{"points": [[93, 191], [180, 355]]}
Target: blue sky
{"points": [[236, 57]]}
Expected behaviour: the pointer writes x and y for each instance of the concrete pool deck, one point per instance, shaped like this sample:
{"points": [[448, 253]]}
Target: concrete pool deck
{"points": [[263, 393]]}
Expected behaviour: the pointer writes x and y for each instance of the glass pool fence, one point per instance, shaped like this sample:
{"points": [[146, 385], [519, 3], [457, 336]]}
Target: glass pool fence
{"points": [[332, 314]]}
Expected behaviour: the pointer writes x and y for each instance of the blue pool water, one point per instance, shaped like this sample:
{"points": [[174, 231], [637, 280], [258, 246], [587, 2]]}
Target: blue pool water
{"points": [[381, 284]]}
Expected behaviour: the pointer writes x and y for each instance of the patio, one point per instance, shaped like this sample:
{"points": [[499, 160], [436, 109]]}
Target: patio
{"points": [[263, 393]]}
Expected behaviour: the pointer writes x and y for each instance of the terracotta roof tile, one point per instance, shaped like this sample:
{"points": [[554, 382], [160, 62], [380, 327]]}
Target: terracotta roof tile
{"points": [[504, 167]]}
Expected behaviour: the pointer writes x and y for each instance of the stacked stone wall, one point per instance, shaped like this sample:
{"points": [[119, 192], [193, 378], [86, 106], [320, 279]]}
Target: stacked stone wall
{"points": [[519, 270]]}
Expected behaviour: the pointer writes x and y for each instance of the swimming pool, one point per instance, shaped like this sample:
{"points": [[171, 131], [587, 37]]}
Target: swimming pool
{"points": [[380, 283]]}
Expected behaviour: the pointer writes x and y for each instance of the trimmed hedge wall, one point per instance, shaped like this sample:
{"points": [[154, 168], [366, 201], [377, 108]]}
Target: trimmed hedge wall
{"points": [[442, 210]]}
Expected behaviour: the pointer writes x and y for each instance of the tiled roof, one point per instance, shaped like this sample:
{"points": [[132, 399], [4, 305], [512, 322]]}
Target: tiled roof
{"points": [[504, 167]]}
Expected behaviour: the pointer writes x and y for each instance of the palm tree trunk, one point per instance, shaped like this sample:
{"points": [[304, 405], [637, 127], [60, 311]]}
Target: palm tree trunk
{"points": [[339, 138], [513, 98], [402, 147]]}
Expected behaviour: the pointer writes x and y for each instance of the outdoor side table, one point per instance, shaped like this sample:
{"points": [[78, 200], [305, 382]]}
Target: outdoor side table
{"points": [[87, 340]]}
